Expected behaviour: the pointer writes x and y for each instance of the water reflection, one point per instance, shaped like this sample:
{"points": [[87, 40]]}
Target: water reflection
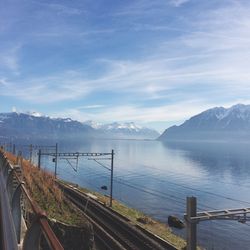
{"points": [[218, 158], [156, 177]]}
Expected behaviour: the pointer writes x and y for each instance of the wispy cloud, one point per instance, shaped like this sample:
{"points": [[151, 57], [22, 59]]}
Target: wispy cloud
{"points": [[9, 58], [171, 113], [95, 106], [64, 10], [178, 3], [158, 57]]}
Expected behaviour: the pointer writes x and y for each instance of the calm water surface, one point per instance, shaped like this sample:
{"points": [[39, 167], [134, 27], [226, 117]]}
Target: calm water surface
{"points": [[156, 178]]}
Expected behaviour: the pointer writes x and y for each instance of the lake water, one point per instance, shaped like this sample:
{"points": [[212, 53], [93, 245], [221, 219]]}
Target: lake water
{"points": [[156, 177]]}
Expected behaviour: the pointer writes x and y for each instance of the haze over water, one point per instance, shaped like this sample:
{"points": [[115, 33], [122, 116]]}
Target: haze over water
{"points": [[156, 178]]}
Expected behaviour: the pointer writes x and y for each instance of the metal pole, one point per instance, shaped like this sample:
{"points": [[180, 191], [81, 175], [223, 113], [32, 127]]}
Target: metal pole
{"points": [[31, 147], [56, 160], [14, 149], [111, 177], [39, 158], [191, 225]]}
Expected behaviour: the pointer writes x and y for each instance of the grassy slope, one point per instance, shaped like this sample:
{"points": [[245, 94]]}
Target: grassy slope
{"points": [[43, 189], [133, 215]]}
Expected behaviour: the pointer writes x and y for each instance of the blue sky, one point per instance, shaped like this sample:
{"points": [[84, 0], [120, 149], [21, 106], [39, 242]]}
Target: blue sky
{"points": [[152, 62]]}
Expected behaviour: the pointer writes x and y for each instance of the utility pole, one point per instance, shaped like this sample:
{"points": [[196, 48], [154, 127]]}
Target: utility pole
{"points": [[191, 225], [14, 149], [56, 157], [192, 218], [31, 151], [111, 177], [39, 158]]}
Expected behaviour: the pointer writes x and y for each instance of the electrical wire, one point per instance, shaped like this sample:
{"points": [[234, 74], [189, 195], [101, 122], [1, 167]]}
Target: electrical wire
{"points": [[149, 192], [195, 177], [198, 190]]}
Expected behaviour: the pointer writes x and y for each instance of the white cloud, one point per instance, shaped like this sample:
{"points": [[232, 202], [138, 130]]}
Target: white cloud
{"points": [[172, 112], [59, 9], [63, 9], [208, 57], [3, 82], [95, 106], [9, 58], [178, 3]]}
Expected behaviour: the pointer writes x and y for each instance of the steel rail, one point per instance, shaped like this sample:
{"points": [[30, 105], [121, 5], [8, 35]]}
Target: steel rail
{"points": [[126, 234]]}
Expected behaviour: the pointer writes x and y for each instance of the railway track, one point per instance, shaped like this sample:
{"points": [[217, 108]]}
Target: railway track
{"points": [[113, 231]]}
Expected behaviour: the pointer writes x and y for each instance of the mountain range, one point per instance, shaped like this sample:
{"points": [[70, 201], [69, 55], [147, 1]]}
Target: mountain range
{"points": [[123, 130], [216, 124], [34, 125]]}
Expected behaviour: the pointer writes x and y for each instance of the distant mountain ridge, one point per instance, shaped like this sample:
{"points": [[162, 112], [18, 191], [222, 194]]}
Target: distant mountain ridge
{"points": [[218, 123], [123, 130], [34, 125], [26, 126]]}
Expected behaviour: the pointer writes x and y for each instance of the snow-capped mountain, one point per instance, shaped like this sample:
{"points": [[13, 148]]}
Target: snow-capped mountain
{"points": [[95, 125], [127, 130], [214, 124], [127, 126], [20, 125], [35, 125]]}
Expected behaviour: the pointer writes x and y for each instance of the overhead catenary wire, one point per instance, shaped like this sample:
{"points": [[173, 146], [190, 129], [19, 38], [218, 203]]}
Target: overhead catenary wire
{"points": [[156, 193], [182, 186], [196, 177], [197, 190]]}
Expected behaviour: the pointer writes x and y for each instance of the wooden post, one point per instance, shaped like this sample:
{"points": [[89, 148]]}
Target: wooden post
{"points": [[191, 225]]}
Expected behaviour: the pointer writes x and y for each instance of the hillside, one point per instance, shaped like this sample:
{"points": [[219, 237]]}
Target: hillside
{"points": [[26, 126], [216, 124], [35, 126], [127, 130]]}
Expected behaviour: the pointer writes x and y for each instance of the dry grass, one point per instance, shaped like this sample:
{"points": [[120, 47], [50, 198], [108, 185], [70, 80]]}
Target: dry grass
{"points": [[136, 216], [44, 190]]}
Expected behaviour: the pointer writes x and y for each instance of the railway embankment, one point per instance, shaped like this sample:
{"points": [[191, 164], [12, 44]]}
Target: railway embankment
{"points": [[159, 231], [69, 224], [82, 219]]}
